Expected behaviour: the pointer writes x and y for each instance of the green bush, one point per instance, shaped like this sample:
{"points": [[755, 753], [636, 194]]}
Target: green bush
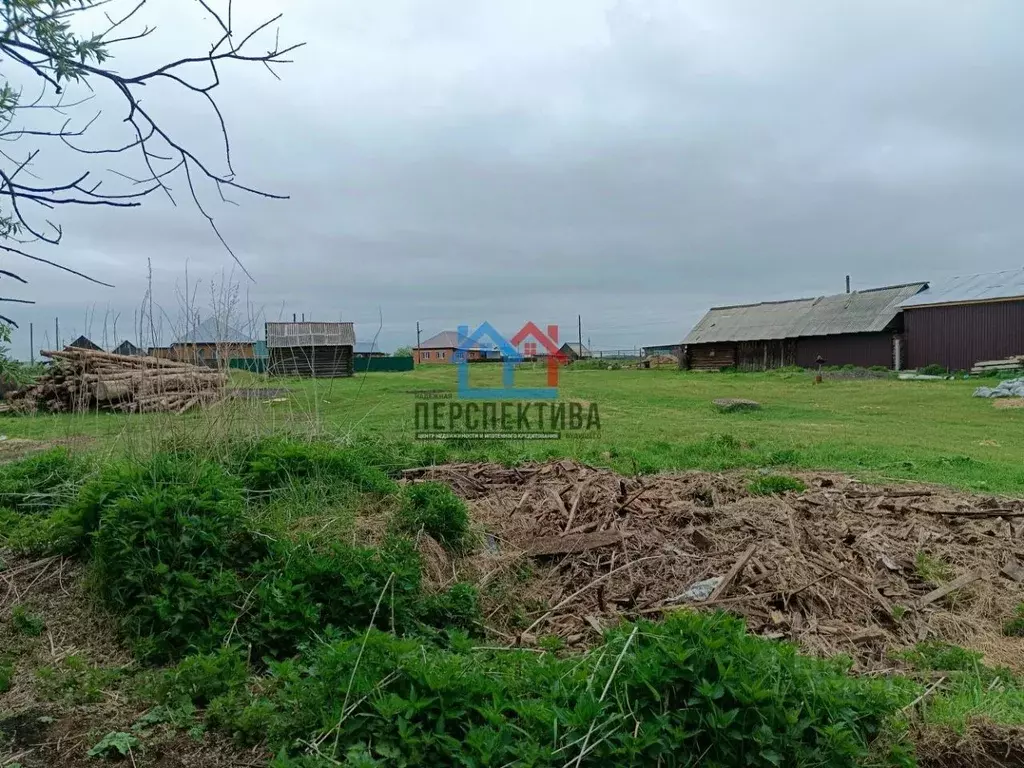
{"points": [[769, 485], [456, 608], [435, 509], [933, 370], [302, 589], [202, 677], [692, 689], [170, 533]]}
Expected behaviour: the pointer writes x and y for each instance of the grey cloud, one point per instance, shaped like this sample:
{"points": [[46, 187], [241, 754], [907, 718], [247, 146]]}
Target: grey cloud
{"points": [[632, 161]]}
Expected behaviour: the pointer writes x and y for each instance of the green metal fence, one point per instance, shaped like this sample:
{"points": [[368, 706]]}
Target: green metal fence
{"points": [[250, 364], [360, 364], [382, 364]]}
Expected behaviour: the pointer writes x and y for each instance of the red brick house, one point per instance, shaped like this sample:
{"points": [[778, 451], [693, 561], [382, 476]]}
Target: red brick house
{"points": [[440, 349]]}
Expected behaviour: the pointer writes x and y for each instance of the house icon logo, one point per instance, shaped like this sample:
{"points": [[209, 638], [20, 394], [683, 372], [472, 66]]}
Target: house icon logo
{"points": [[534, 342]]}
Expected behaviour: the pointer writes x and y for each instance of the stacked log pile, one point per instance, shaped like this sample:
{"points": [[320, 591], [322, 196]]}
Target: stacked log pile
{"points": [[89, 380]]}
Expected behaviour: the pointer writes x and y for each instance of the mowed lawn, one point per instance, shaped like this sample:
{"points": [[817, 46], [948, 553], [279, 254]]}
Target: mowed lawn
{"points": [[660, 419]]}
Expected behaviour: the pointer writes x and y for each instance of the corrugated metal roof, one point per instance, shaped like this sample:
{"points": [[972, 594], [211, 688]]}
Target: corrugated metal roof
{"points": [[962, 289], [310, 335], [212, 331], [856, 312], [577, 349], [366, 348]]}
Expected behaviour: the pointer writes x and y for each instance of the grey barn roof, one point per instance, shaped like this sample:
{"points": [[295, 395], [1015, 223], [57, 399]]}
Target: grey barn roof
{"points": [[578, 349], [988, 286], [213, 331], [856, 312], [310, 335]]}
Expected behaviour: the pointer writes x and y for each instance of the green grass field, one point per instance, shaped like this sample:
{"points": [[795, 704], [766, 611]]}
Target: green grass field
{"points": [[655, 419]]}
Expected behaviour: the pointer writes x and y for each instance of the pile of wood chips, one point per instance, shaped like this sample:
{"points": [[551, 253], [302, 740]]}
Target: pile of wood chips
{"points": [[843, 567], [87, 380]]}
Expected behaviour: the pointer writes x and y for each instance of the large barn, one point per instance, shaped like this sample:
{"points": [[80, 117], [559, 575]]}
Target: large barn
{"points": [[964, 320], [862, 328], [320, 350]]}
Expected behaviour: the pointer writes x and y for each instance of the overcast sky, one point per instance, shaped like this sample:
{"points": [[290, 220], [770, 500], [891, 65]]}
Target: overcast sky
{"points": [[630, 161]]}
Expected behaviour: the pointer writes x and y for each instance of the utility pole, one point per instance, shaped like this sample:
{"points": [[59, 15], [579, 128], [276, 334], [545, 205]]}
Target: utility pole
{"points": [[417, 334], [31, 344], [579, 328], [56, 331]]}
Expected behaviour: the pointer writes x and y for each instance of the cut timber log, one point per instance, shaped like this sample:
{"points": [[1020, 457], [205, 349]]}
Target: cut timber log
{"points": [[125, 360], [84, 380]]}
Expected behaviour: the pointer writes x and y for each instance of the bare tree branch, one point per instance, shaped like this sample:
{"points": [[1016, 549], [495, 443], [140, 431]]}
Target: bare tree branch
{"points": [[36, 34]]}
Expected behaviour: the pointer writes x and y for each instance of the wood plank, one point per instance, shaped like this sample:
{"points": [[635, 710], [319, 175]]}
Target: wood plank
{"points": [[572, 543], [733, 573], [945, 589], [1013, 570]]}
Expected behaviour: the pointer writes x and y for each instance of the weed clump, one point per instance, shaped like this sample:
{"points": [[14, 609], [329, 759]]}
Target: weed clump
{"points": [[34, 493], [436, 510], [458, 607], [26, 623], [770, 485], [1014, 626], [693, 688], [300, 589], [200, 678], [175, 558], [278, 463], [932, 570]]}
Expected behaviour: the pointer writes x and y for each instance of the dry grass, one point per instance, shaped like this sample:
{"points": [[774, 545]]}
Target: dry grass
{"points": [[75, 681]]}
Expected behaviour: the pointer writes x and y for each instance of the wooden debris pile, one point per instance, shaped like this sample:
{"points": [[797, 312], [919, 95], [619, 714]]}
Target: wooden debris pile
{"points": [[88, 380], [840, 568]]}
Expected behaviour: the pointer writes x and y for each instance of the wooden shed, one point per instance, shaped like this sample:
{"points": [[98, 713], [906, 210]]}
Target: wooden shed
{"points": [[320, 350]]}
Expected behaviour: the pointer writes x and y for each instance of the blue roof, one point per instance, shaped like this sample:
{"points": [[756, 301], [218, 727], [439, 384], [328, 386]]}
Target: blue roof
{"points": [[988, 286]]}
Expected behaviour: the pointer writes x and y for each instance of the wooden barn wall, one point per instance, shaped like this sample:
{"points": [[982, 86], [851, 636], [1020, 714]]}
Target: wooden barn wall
{"points": [[959, 336], [765, 355], [861, 349], [318, 362], [709, 357]]}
